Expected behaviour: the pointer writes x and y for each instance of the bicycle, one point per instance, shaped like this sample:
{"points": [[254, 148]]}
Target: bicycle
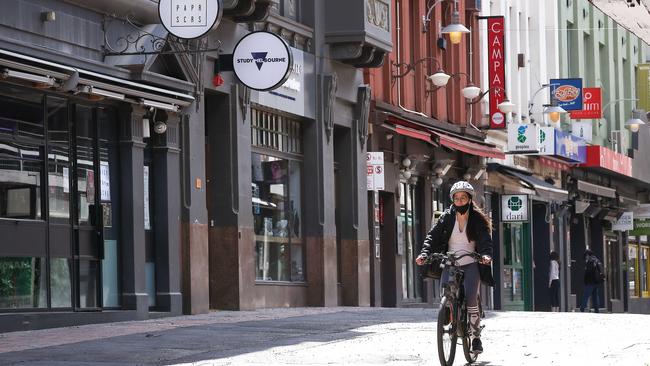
{"points": [[453, 320]]}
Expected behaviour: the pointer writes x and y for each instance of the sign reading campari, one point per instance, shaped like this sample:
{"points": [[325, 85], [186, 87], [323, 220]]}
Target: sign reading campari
{"points": [[514, 207], [262, 61], [189, 19]]}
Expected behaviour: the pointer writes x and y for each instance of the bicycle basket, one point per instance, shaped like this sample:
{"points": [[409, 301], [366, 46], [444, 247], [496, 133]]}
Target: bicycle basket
{"points": [[431, 270]]}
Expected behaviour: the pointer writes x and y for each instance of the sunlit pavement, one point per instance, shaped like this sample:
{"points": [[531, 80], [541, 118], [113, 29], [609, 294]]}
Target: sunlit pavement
{"points": [[333, 336]]}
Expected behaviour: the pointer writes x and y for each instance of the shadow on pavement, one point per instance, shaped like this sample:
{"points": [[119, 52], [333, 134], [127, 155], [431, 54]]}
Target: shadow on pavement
{"points": [[216, 340]]}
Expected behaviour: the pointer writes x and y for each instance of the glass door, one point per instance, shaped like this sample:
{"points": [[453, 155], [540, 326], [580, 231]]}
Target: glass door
{"points": [[515, 257], [87, 231]]}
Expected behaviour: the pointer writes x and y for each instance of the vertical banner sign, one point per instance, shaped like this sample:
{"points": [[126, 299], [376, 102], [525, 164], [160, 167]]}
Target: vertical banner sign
{"points": [[496, 70], [643, 86], [592, 102]]}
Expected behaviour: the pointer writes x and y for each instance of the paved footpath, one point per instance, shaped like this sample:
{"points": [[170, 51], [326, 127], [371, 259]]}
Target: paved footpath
{"points": [[333, 336]]}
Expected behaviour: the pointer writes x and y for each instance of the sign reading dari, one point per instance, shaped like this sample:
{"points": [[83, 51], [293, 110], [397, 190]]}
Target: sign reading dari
{"points": [[189, 19], [262, 61], [514, 207]]}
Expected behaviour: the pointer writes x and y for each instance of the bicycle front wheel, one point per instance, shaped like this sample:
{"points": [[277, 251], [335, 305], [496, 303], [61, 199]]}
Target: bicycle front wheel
{"points": [[446, 333]]}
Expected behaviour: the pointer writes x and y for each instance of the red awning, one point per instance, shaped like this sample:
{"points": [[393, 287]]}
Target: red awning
{"points": [[470, 147], [410, 132]]}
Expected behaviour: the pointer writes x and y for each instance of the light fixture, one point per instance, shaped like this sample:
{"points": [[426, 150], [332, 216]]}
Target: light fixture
{"points": [[554, 112], [89, 89], [159, 127], [634, 123], [471, 91], [506, 106], [39, 79], [455, 29], [159, 105], [440, 78], [406, 162]]}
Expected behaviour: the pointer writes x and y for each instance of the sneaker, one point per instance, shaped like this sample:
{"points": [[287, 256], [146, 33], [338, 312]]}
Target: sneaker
{"points": [[477, 346]]}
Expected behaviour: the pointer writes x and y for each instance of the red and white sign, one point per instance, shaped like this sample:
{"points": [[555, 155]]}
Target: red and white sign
{"points": [[592, 105], [602, 157], [375, 171], [496, 69]]}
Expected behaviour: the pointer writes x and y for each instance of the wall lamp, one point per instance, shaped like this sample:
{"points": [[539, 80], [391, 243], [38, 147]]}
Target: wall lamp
{"points": [[439, 78], [455, 30], [505, 106], [635, 122]]}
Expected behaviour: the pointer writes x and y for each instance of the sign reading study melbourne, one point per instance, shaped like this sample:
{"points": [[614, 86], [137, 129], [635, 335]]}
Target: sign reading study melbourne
{"points": [[262, 61], [189, 19], [514, 207]]}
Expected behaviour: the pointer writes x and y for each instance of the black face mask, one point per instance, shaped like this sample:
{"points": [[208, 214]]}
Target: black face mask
{"points": [[462, 209]]}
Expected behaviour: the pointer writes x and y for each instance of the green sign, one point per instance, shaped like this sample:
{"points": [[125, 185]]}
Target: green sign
{"points": [[641, 227]]}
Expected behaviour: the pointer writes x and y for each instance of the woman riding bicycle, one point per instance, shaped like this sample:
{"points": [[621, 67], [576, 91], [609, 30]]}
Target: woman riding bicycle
{"points": [[464, 227]]}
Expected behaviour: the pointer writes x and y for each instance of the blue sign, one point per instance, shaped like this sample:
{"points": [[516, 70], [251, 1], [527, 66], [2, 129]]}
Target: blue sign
{"points": [[570, 147], [567, 93]]}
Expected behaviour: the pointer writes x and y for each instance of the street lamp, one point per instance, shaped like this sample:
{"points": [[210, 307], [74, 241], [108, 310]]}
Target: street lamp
{"points": [[634, 122], [455, 30]]}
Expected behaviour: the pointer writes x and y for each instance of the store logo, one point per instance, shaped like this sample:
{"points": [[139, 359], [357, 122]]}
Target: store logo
{"points": [[515, 203], [567, 93], [521, 134], [260, 58]]}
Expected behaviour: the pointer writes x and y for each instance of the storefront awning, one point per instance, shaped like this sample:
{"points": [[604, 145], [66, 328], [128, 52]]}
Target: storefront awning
{"points": [[409, 132], [470, 147], [596, 189], [72, 79], [543, 189]]}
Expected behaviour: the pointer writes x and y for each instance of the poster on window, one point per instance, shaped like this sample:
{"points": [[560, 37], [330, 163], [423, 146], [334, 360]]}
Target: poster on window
{"points": [[105, 180], [66, 180], [90, 186], [147, 222]]}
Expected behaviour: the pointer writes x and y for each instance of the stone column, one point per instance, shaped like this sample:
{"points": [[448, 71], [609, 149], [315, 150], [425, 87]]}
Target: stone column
{"points": [[167, 215], [134, 294]]}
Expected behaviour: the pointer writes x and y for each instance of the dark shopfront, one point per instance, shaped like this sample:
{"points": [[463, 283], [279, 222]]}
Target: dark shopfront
{"points": [[72, 207]]}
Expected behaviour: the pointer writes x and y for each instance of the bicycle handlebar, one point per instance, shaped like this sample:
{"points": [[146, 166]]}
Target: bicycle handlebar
{"points": [[450, 257]]}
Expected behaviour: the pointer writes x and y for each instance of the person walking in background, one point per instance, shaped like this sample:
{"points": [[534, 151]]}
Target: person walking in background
{"points": [[554, 281], [594, 276]]}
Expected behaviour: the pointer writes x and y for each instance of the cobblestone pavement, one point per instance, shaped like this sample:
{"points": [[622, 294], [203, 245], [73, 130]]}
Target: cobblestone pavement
{"points": [[333, 336]]}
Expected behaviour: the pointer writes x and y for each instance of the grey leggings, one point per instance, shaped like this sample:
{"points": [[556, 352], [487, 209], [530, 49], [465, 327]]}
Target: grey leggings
{"points": [[471, 284]]}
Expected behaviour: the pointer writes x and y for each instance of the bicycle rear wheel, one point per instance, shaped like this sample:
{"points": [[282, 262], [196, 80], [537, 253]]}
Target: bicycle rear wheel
{"points": [[446, 333]]}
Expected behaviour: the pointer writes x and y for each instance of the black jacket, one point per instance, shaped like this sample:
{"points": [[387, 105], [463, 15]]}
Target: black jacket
{"points": [[437, 240]]}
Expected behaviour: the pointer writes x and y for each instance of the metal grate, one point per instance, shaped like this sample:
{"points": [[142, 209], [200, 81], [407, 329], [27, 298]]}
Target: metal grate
{"points": [[277, 132]]}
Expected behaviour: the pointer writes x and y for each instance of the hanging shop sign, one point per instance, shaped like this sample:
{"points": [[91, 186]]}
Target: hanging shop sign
{"points": [[523, 138], [570, 147], [375, 171], [641, 227], [583, 130], [189, 19], [514, 207], [262, 61], [625, 222], [546, 141], [592, 104], [497, 70], [567, 93], [602, 157]]}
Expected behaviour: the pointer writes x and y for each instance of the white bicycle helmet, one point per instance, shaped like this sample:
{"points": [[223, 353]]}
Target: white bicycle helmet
{"points": [[461, 186]]}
